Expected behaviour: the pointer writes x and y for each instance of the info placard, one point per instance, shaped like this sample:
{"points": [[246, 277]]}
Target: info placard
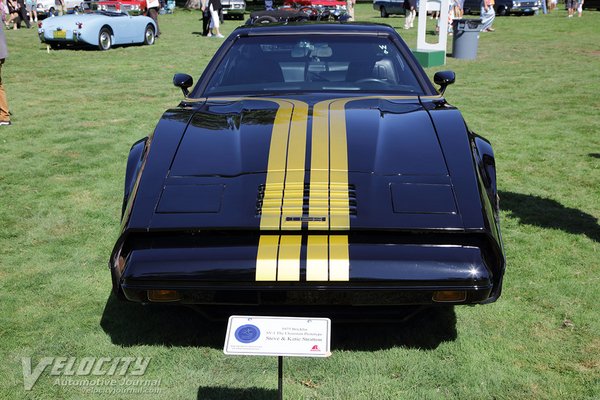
{"points": [[278, 336]]}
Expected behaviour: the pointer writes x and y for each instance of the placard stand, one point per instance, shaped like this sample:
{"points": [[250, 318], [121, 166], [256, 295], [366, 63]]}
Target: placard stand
{"points": [[278, 336], [280, 377]]}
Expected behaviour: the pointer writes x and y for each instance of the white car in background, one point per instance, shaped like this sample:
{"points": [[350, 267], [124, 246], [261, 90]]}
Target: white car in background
{"points": [[234, 8], [47, 7]]}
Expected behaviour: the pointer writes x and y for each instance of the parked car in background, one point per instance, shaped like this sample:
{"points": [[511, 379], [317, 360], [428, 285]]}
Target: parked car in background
{"points": [[323, 4], [122, 5], [102, 29], [505, 7], [234, 8], [47, 7], [587, 4], [389, 7]]}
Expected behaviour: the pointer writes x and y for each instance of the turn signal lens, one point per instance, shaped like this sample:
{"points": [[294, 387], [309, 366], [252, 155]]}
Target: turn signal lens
{"points": [[449, 296], [163, 295]]}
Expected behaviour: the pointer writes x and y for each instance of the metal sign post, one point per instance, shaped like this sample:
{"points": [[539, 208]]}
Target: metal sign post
{"points": [[280, 377]]}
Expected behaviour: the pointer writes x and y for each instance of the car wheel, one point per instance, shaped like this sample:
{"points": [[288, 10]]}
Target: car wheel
{"points": [[104, 39], [384, 13], [502, 11], [265, 19], [149, 35]]}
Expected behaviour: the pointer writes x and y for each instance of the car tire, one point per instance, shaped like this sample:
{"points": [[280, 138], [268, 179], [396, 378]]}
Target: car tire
{"points": [[502, 11], [104, 39], [383, 12], [265, 19], [149, 35]]}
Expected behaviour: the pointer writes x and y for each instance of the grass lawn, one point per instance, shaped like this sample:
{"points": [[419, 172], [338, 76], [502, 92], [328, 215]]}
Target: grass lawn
{"points": [[533, 91]]}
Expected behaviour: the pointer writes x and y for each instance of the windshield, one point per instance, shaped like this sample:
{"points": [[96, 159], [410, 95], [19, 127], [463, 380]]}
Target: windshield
{"points": [[273, 64]]}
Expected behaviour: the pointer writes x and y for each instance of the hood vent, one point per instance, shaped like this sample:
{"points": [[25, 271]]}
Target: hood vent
{"points": [[333, 193]]}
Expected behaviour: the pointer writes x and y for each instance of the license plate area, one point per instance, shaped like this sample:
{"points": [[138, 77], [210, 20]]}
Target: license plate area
{"points": [[60, 34]]}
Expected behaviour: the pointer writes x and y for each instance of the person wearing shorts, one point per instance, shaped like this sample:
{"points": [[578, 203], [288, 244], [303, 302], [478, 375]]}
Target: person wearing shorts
{"points": [[579, 7], [31, 6], [411, 12], [570, 7]]}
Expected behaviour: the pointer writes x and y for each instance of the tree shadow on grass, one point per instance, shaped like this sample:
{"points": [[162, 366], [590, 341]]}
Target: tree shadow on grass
{"points": [[547, 213], [131, 324], [223, 393], [594, 155]]}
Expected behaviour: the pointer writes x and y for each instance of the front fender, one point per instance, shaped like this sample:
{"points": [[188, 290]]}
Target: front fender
{"points": [[487, 165], [134, 163]]}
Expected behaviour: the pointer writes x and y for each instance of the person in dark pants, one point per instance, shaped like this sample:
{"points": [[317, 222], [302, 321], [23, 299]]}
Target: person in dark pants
{"points": [[205, 18], [152, 12], [22, 14]]}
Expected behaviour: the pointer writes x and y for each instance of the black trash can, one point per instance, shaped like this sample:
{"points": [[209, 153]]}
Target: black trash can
{"points": [[466, 38]]}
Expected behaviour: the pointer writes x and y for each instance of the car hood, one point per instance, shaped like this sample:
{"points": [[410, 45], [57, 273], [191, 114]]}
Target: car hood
{"points": [[379, 136], [284, 163]]}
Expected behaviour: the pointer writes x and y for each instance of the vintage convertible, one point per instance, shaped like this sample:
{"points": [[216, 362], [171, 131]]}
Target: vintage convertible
{"points": [[102, 29], [311, 165]]}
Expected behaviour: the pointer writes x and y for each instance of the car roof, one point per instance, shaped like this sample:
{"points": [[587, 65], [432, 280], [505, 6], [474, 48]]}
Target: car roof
{"points": [[316, 28]]}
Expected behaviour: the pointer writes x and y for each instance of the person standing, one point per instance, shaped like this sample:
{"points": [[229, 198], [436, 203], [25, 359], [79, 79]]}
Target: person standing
{"points": [[214, 6], [60, 6], [32, 9], [152, 11], [411, 12], [579, 8], [487, 15], [22, 14], [570, 7], [13, 14], [350, 8], [4, 114], [205, 18]]}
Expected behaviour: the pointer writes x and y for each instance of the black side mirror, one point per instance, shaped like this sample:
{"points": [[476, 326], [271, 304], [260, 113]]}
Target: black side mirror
{"points": [[444, 78], [184, 82]]}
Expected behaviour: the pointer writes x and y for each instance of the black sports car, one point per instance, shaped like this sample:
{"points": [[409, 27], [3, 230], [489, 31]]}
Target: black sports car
{"points": [[312, 164]]}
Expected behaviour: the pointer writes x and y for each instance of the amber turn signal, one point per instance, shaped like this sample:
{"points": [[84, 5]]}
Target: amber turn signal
{"points": [[449, 296], [163, 295]]}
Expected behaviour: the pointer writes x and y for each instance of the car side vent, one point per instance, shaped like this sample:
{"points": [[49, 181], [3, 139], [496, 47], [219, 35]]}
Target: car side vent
{"points": [[334, 193]]}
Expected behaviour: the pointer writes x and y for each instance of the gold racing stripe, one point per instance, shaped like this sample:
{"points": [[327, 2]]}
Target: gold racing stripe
{"points": [[319, 168], [339, 258], [278, 257], [288, 261], [266, 259], [276, 167], [317, 262], [293, 191], [339, 203]]}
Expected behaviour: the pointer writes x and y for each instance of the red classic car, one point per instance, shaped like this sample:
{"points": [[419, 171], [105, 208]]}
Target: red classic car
{"points": [[329, 4], [122, 5]]}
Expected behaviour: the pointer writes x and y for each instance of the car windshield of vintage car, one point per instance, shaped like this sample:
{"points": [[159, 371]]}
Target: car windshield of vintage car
{"points": [[313, 63]]}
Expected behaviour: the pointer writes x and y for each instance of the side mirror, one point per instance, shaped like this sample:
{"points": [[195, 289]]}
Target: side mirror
{"points": [[444, 78], [184, 82]]}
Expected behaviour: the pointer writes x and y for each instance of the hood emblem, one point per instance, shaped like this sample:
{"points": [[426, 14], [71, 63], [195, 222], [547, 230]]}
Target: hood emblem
{"points": [[306, 219]]}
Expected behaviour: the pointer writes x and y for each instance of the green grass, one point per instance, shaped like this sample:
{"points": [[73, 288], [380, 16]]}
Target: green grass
{"points": [[532, 91]]}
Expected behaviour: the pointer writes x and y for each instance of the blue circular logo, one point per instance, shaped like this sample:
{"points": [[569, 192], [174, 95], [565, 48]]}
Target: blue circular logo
{"points": [[247, 333]]}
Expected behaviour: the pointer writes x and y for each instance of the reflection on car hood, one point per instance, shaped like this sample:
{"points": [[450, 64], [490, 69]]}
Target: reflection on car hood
{"points": [[393, 136]]}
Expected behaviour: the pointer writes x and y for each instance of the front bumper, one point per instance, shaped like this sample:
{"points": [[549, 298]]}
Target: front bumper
{"points": [[224, 272]]}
